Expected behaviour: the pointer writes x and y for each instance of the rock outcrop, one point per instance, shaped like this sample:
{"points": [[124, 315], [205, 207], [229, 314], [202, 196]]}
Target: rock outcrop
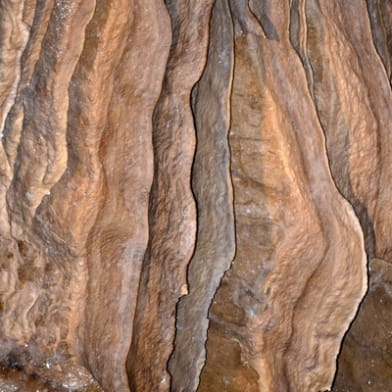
{"points": [[190, 192]]}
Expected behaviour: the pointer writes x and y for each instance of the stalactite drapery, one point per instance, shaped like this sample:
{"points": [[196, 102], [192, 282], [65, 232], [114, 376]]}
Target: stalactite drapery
{"points": [[193, 193]]}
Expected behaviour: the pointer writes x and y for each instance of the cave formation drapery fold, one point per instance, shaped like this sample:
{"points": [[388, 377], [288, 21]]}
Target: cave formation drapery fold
{"points": [[193, 195]]}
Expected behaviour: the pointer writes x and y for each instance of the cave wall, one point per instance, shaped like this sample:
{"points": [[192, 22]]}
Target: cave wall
{"points": [[193, 195]]}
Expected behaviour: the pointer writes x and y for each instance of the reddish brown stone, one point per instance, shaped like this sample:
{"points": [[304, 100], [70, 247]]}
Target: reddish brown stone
{"points": [[366, 358], [212, 188], [179, 194], [282, 310], [353, 99], [172, 206]]}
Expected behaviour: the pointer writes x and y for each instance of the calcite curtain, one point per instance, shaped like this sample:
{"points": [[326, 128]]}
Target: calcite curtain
{"points": [[195, 195]]}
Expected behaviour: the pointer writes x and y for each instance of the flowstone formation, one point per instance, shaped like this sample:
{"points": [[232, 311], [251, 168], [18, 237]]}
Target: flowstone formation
{"points": [[193, 195]]}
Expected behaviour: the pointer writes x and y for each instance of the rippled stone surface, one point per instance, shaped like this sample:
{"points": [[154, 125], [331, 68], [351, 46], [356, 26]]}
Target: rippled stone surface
{"points": [[189, 192]]}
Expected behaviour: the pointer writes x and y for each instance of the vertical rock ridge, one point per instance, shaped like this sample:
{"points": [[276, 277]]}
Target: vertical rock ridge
{"points": [[41, 300], [178, 182], [26, 190], [48, 96], [119, 238], [13, 124], [171, 244], [13, 37], [211, 184], [356, 128], [258, 321], [298, 37], [14, 34], [380, 15]]}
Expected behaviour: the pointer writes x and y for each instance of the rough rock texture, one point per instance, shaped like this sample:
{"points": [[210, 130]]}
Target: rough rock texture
{"points": [[273, 299], [189, 191], [212, 188], [353, 100], [366, 359], [172, 207], [354, 103]]}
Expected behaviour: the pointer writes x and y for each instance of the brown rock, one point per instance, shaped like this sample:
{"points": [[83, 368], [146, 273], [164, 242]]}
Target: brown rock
{"points": [[118, 239], [354, 100], [380, 13], [212, 188], [40, 288], [366, 358], [172, 207], [178, 182], [272, 326], [73, 257]]}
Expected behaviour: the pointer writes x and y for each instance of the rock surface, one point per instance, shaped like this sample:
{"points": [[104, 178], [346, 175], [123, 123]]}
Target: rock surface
{"points": [[172, 207], [212, 189], [189, 191], [366, 358], [269, 313]]}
